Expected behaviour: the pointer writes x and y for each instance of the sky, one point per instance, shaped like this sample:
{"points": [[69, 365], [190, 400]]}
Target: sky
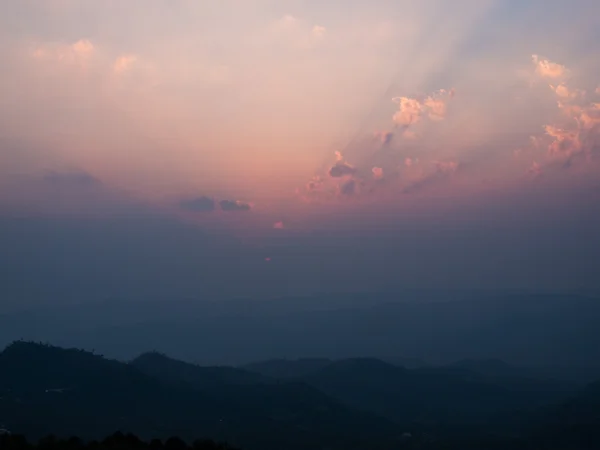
{"points": [[242, 148]]}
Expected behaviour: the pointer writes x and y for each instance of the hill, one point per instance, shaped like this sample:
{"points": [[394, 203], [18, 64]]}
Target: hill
{"points": [[286, 368], [574, 423], [47, 390], [171, 370], [431, 398], [428, 399]]}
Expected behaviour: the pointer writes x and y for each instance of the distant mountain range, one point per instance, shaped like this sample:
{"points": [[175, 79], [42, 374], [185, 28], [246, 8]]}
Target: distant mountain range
{"points": [[355, 403], [554, 334]]}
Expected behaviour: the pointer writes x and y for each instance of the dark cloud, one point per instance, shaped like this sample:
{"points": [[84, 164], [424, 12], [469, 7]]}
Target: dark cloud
{"points": [[78, 179], [341, 169], [443, 171], [234, 205], [385, 137], [348, 188], [200, 204]]}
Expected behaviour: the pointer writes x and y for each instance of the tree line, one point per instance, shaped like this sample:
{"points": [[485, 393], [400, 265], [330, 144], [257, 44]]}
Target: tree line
{"points": [[117, 441]]}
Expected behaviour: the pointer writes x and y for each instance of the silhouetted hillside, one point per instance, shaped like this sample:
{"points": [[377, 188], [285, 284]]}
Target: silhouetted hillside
{"points": [[117, 441], [574, 423], [346, 404], [427, 397], [287, 401], [167, 369], [286, 368], [489, 367], [48, 390], [434, 399]]}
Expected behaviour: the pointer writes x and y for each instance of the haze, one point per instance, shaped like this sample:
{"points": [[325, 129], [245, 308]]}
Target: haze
{"points": [[271, 148]]}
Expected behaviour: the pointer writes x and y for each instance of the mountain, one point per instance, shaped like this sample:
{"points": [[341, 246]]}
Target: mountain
{"points": [[353, 403], [45, 389], [160, 366], [429, 397], [489, 367], [574, 423], [469, 393], [286, 368], [298, 368], [436, 327]]}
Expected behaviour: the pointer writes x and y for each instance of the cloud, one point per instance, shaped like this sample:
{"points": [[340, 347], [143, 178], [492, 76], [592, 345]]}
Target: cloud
{"points": [[590, 118], [66, 193], [446, 166], [75, 53], [319, 31], [411, 110], [385, 137], [234, 205], [124, 63], [442, 170], [278, 225], [200, 204], [436, 104], [548, 69], [348, 188], [286, 22], [377, 173], [73, 179], [341, 169], [314, 184], [535, 170], [437, 108], [578, 133], [564, 142], [563, 91]]}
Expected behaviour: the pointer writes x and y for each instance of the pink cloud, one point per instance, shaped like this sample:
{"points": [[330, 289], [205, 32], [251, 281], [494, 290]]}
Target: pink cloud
{"points": [[590, 118], [548, 69], [377, 173], [314, 184], [83, 47], [563, 91], [341, 169], [446, 166], [564, 142], [535, 170], [570, 110], [437, 108], [409, 134], [278, 225], [319, 31], [77, 52], [409, 111], [124, 63], [385, 137], [535, 141]]}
